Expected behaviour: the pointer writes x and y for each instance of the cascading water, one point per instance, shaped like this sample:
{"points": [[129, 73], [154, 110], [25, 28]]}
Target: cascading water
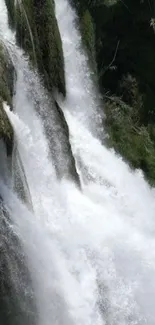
{"points": [[90, 254], [80, 101]]}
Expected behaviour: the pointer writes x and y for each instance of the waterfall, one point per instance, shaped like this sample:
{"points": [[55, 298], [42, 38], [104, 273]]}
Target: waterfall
{"points": [[90, 254], [82, 97]]}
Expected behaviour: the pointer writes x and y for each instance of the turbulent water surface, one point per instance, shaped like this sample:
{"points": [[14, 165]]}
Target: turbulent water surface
{"points": [[89, 253]]}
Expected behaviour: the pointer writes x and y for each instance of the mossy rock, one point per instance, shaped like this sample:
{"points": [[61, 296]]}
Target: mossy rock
{"points": [[88, 36], [38, 34], [6, 93], [87, 30], [11, 12]]}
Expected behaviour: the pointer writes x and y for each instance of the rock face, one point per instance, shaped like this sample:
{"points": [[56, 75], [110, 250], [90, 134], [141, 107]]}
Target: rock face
{"points": [[67, 168], [6, 93], [38, 34], [16, 292]]}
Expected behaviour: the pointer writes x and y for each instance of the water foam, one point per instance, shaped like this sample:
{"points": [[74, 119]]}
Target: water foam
{"points": [[91, 254]]}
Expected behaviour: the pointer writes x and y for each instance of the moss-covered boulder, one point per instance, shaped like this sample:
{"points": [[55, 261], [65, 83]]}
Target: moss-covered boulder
{"points": [[38, 34], [6, 93]]}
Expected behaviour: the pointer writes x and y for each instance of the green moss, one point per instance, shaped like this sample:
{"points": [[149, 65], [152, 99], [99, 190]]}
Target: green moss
{"points": [[11, 12], [25, 28], [87, 30], [37, 32], [88, 35], [6, 90]]}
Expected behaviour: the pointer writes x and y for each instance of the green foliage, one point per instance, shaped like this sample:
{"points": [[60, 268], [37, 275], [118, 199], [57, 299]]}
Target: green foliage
{"points": [[6, 89], [124, 48], [120, 40], [132, 142]]}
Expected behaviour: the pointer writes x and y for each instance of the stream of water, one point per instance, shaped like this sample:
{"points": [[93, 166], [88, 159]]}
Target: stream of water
{"points": [[90, 252]]}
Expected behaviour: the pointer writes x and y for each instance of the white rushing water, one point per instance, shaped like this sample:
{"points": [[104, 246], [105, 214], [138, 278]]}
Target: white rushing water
{"points": [[91, 253], [82, 98]]}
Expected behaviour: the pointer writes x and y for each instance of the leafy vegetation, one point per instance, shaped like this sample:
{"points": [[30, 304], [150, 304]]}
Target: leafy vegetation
{"points": [[124, 33], [119, 36]]}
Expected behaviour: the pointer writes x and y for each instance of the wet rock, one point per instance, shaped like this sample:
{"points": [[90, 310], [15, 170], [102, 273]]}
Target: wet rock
{"points": [[16, 293], [7, 74], [38, 34]]}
